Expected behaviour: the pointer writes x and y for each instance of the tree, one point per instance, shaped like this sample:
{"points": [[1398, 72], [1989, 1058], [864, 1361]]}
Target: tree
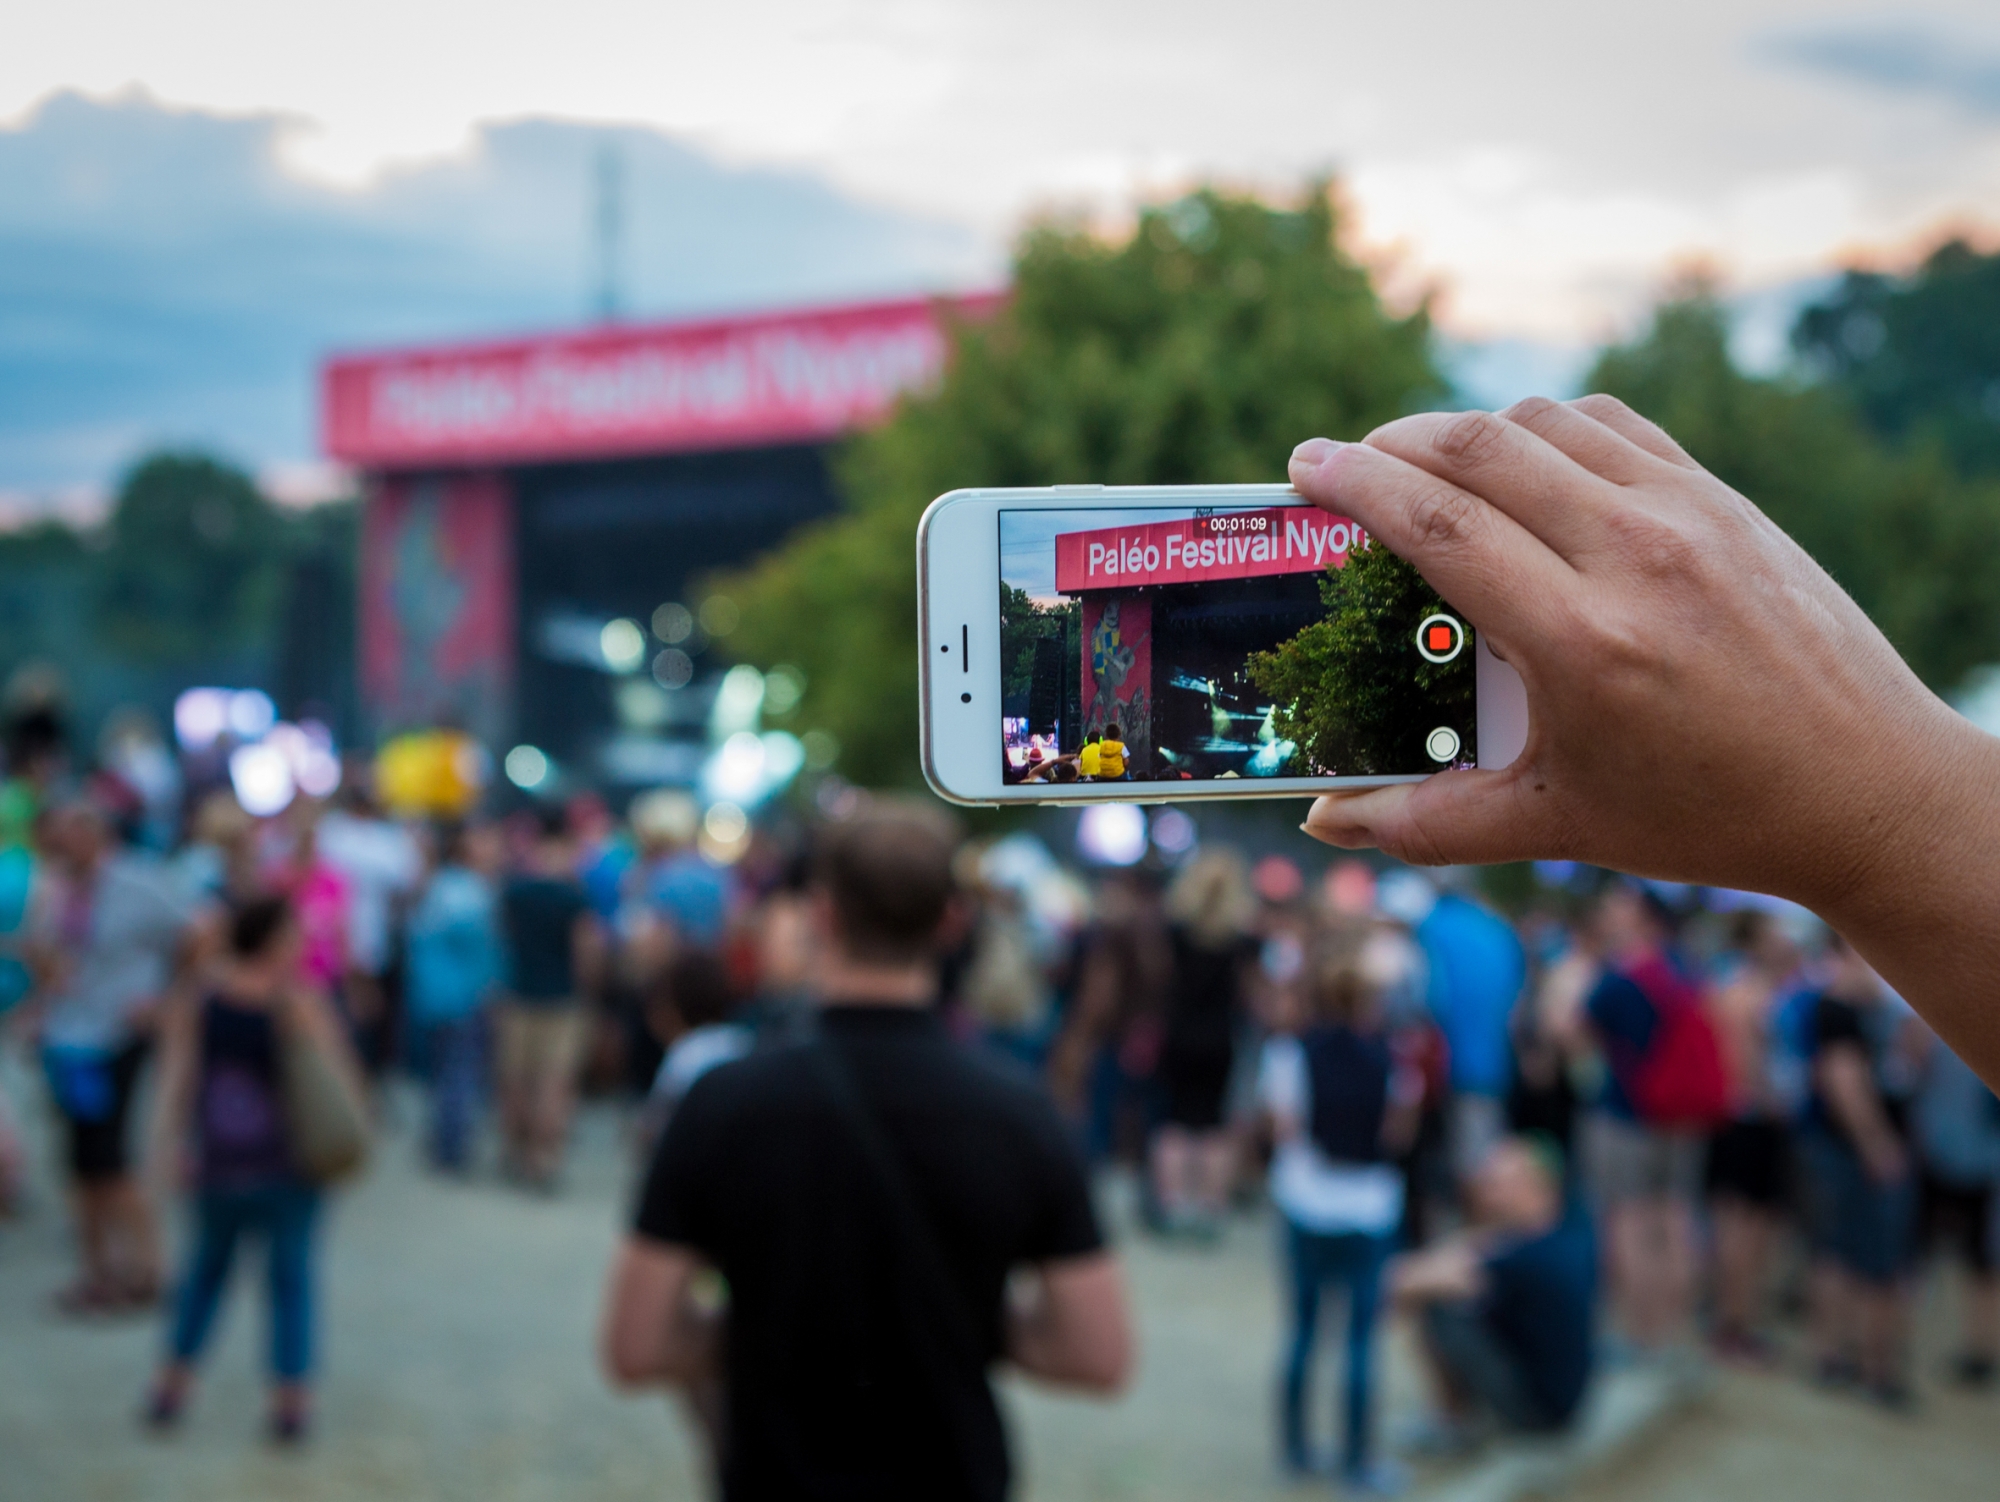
{"points": [[195, 562], [1915, 544], [1202, 348], [1351, 689], [1920, 356]]}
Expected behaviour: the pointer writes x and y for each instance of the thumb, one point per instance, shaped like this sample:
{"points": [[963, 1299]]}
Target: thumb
{"points": [[1452, 819]]}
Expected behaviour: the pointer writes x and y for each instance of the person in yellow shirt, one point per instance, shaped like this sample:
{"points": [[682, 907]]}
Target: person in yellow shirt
{"points": [[1087, 759], [1111, 752]]}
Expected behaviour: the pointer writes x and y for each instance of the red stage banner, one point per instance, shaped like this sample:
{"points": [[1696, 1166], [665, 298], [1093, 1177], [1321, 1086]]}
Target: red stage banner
{"points": [[782, 378], [1226, 545]]}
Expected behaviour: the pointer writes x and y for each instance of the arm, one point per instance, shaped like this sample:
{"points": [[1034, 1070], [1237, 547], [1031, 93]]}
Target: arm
{"points": [[1071, 1326], [1842, 1073], [653, 1330], [1449, 1270], [1672, 639]]}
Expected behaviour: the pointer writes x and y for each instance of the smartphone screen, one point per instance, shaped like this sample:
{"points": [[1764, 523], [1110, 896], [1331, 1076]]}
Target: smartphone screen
{"points": [[1201, 643]]}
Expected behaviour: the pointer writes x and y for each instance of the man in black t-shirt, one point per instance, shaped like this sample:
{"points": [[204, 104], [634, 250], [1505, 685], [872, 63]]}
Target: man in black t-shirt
{"points": [[865, 1196], [555, 949]]}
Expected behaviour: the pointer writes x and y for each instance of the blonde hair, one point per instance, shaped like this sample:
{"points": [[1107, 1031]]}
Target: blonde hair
{"points": [[1213, 899]]}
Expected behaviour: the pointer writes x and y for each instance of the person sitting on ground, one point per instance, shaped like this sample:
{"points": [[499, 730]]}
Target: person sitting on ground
{"points": [[1505, 1308], [1111, 753], [867, 1195], [1089, 764]]}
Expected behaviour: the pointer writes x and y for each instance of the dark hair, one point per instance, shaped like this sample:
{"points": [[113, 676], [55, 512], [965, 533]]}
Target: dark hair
{"points": [[697, 986], [254, 924], [1114, 731], [888, 873]]}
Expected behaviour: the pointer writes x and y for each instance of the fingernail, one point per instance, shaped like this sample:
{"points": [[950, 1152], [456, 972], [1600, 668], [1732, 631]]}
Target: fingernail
{"points": [[1311, 454]]}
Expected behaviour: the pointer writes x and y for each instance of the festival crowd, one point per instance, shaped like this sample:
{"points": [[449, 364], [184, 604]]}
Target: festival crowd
{"points": [[1628, 1119]]}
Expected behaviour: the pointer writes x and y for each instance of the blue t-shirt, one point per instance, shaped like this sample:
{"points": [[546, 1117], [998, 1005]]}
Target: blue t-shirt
{"points": [[1540, 1296], [454, 947], [1477, 970], [693, 892]]}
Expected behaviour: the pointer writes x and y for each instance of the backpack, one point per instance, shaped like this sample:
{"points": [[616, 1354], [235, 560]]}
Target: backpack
{"points": [[1681, 1080]]}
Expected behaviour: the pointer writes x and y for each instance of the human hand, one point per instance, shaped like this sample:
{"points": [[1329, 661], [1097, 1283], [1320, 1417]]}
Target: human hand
{"points": [[1705, 704]]}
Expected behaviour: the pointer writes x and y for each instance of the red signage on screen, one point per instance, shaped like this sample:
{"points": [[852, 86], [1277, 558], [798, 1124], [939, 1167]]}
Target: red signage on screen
{"points": [[783, 378], [1227, 545]]}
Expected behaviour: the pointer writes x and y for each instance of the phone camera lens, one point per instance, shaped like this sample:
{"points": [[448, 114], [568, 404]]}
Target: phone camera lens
{"points": [[965, 698]]}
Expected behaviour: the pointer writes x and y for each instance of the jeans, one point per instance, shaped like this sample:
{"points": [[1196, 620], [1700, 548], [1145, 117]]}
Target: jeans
{"points": [[283, 1214], [1353, 1260], [455, 1052]]}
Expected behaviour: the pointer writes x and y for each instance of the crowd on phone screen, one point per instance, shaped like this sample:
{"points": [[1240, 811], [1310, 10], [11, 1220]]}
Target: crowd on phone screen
{"points": [[1624, 1120]]}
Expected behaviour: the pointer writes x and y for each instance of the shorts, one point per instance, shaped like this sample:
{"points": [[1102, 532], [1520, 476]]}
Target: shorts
{"points": [[1477, 1362], [1197, 1088], [1863, 1227], [1628, 1160], [94, 1098], [538, 1042], [1962, 1213], [1749, 1161]]}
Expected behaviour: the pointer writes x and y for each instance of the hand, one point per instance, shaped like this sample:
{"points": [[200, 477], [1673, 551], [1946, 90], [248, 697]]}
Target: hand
{"points": [[1704, 703]]}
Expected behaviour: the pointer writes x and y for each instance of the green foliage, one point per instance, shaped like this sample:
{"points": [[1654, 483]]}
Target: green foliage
{"points": [[1921, 356], [1917, 546], [1351, 688], [1201, 349], [1022, 624], [195, 561]]}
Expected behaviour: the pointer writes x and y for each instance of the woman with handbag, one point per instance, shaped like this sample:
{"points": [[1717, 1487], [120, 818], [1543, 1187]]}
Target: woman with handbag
{"points": [[262, 1102]]}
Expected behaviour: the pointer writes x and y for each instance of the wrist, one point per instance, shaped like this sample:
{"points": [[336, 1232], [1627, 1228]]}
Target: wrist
{"points": [[1907, 819]]}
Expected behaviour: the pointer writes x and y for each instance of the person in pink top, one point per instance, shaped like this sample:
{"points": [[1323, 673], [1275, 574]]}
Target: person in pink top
{"points": [[319, 897]]}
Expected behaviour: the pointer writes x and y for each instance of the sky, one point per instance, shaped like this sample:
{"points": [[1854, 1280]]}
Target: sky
{"points": [[1540, 168]]}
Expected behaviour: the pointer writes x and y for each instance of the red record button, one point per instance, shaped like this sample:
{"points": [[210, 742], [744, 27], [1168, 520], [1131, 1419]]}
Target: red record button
{"points": [[1440, 638]]}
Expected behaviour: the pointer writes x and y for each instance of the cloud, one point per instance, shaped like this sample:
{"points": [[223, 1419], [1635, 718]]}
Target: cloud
{"points": [[1898, 57], [163, 278]]}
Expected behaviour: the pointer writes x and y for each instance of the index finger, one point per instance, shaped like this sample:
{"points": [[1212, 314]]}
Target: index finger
{"points": [[1480, 559]]}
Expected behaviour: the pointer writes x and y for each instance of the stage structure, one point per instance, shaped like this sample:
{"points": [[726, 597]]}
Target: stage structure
{"points": [[528, 502]]}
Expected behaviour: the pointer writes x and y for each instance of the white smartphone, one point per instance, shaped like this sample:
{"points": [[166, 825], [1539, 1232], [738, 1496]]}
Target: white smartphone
{"points": [[1143, 643]]}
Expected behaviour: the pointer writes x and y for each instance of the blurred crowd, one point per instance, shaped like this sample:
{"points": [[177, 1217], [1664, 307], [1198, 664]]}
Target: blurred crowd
{"points": [[1702, 1104]]}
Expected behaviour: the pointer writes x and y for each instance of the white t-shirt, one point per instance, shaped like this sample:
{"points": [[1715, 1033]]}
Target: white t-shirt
{"points": [[380, 861], [1310, 1189], [118, 942]]}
